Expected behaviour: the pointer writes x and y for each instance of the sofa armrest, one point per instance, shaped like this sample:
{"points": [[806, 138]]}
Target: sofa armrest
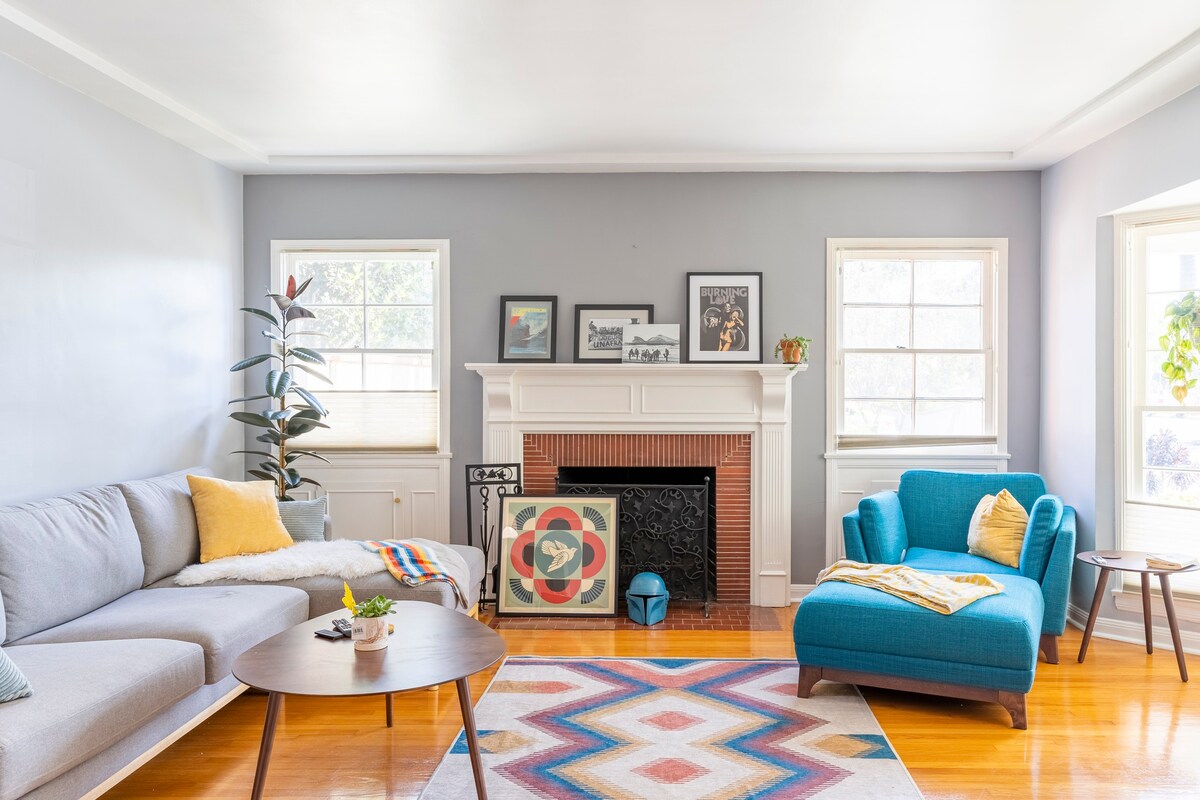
{"points": [[852, 536], [328, 528], [884, 534], [1056, 584]]}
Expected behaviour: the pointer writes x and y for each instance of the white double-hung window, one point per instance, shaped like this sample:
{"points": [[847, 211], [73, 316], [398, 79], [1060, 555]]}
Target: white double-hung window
{"points": [[1158, 440], [381, 309], [917, 345]]}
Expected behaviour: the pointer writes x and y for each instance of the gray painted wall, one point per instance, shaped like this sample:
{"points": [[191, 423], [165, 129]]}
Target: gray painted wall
{"points": [[1151, 155], [631, 238], [120, 275]]}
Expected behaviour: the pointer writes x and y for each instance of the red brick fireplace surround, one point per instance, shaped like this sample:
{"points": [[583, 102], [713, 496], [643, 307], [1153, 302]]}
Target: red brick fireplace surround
{"points": [[728, 454]]}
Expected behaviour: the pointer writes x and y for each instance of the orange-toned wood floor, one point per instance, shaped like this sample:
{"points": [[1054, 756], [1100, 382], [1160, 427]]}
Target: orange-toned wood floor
{"points": [[1121, 725]]}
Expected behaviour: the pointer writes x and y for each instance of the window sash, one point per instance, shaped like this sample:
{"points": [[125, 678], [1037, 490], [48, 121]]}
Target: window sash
{"points": [[988, 306], [403, 420]]}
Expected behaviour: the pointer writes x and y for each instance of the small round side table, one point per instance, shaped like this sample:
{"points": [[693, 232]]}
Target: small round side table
{"points": [[1133, 561]]}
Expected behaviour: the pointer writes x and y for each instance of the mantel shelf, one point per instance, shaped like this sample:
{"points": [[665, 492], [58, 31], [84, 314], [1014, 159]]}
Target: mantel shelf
{"points": [[566, 368]]}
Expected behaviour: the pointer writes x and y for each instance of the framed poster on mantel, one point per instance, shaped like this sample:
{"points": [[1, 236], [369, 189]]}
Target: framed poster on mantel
{"points": [[725, 317]]}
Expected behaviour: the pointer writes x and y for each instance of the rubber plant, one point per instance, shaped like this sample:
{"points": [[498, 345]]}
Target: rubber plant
{"points": [[1180, 343], [292, 410]]}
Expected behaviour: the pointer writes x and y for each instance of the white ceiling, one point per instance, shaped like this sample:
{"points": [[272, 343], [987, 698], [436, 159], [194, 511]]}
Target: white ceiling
{"points": [[541, 85]]}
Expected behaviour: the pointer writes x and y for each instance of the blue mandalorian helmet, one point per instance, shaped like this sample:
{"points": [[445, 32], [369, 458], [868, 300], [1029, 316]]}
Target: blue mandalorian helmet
{"points": [[647, 598]]}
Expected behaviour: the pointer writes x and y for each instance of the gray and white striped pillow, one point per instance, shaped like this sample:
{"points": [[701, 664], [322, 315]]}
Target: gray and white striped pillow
{"points": [[12, 683], [304, 519]]}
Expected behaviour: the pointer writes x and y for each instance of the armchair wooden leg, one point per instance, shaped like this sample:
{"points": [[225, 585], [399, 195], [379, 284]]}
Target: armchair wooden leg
{"points": [[1049, 647], [808, 679], [1014, 703]]}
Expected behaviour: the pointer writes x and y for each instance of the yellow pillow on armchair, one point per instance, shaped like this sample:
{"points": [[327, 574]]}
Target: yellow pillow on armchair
{"points": [[236, 518], [997, 529]]}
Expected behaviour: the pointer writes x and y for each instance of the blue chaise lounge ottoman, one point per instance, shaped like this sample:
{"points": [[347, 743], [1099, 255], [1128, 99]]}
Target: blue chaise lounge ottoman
{"points": [[985, 651]]}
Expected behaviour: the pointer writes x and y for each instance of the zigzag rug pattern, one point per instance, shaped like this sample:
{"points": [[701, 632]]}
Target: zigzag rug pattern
{"points": [[671, 729]]}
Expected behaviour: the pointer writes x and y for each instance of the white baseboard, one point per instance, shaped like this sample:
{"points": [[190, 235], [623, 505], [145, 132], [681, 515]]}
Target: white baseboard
{"points": [[1132, 632], [799, 590]]}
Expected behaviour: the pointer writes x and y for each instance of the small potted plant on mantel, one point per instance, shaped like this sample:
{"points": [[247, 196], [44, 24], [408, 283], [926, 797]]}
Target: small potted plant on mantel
{"points": [[370, 628], [794, 350]]}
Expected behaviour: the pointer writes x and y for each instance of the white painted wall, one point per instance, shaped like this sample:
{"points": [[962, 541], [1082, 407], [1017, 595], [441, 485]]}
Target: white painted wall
{"points": [[1157, 153], [120, 278]]}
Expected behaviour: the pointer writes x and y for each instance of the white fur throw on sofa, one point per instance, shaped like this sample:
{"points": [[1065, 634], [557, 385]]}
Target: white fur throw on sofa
{"points": [[343, 559]]}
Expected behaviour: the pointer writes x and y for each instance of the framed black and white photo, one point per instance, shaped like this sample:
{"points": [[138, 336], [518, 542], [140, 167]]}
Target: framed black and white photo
{"points": [[527, 326], [650, 344], [724, 317], [598, 330]]}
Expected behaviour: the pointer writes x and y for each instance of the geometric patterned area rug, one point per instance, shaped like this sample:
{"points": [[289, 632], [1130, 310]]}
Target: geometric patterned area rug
{"points": [[671, 729]]}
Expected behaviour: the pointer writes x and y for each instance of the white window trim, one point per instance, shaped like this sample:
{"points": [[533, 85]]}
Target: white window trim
{"points": [[999, 337], [441, 307], [1127, 593]]}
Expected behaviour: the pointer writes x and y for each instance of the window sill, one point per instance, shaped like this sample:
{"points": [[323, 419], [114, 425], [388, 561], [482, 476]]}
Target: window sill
{"points": [[1187, 608]]}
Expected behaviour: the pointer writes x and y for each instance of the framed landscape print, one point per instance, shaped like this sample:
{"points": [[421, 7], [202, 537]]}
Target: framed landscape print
{"points": [[527, 326], [650, 344], [598, 330], [558, 555], [724, 317]]}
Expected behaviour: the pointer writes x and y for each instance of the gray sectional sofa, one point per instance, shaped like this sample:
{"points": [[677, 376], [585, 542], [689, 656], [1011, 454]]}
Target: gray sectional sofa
{"points": [[122, 661]]}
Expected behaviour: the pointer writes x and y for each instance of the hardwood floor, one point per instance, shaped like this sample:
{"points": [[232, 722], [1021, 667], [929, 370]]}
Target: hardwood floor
{"points": [[1121, 725]]}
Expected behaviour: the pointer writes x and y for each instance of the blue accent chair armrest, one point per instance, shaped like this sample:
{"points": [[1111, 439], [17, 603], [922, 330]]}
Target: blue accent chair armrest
{"points": [[1056, 584], [883, 534]]}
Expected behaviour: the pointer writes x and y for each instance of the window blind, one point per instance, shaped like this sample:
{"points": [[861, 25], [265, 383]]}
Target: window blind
{"points": [[396, 421]]}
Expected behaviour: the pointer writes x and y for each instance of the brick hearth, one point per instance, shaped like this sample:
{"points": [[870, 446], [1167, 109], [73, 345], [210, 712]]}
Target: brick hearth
{"points": [[728, 454]]}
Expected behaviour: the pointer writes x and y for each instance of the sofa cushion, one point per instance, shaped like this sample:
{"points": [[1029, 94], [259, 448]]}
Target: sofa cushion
{"points": [[89, 696], [997, 529], [938, 505], [63, 557], [1000, 631], [946, 561], [325, 592], [165, 521], [1044, 522], [225, 621]]}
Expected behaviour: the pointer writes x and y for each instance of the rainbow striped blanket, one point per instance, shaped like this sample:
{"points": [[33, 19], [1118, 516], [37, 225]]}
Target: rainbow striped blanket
{"points": [[414, 562]]}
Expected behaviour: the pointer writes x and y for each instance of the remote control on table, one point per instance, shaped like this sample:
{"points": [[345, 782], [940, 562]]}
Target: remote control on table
{"points": [[342, 626], [325, 634]]}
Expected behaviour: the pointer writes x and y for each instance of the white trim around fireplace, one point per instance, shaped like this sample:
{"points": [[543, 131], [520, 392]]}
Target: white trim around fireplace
{"points": [[679, 399]]}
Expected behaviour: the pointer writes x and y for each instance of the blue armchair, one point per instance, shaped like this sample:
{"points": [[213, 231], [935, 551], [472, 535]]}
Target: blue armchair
{"points": [[924, 525]]}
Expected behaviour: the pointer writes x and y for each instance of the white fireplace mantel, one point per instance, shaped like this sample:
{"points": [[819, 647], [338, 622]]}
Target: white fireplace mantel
{"points": [[647, 398]]}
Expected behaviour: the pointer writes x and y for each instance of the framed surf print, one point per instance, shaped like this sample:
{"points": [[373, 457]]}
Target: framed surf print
{"points": [[527, 327], [558, 556], [724, 317]]}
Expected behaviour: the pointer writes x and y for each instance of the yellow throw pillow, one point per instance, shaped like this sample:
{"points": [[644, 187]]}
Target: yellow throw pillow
{"points": [[236, 518], [997, 529]]}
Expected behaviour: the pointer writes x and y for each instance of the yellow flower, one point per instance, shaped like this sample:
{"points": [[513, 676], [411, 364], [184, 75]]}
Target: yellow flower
{"points": [[348, 599]]}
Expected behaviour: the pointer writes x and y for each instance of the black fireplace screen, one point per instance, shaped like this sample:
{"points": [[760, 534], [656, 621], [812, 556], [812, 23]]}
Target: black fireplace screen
{"points": [[665, 527]]}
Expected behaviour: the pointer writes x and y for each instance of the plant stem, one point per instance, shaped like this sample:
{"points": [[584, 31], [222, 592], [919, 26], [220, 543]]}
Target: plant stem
{"points": [[282, 424]]}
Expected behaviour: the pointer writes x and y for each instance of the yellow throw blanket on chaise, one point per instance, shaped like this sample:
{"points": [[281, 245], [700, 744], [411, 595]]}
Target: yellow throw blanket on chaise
{"points": [[944, 594]]}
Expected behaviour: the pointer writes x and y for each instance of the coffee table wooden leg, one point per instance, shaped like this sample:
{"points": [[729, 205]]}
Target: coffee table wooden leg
{"points": [[468, 716], [1146, 616], [1169, 602], [274, 703], [1101, 582], [389, 709]]}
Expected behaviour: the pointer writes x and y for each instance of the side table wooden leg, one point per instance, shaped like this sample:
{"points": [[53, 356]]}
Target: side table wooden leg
{"points": [[388, 697], [1101, 582], [274, 703], [1146, 617], [468, 717], [1169, 602]]}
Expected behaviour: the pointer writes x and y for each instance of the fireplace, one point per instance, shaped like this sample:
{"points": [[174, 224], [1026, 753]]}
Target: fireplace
{"points": [[734, 419], [667, 524]]}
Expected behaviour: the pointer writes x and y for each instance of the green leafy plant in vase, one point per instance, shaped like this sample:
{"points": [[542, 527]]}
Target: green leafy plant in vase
{"points": [[794, 350], [293, 410], [1180, 343], [370, 627]]}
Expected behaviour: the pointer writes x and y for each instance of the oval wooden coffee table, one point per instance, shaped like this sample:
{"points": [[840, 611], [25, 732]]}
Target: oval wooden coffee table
{"points": [[431, 645], [1135, 561]]}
